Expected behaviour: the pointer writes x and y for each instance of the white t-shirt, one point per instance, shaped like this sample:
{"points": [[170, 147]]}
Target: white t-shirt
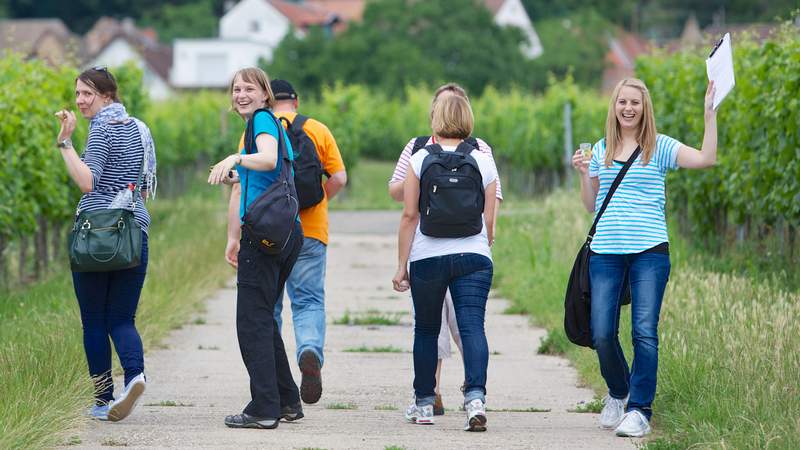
{"points": [[426, 246]]}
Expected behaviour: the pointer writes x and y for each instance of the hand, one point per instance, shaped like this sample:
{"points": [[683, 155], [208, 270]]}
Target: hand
{"points": [[580, 163], [220, 171], [709, 103], [400, 281], [68, 122], [233, 179], [232, 253]]}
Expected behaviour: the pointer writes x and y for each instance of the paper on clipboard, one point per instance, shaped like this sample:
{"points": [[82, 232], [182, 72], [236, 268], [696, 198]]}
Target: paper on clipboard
{"points": [[719, 67]]}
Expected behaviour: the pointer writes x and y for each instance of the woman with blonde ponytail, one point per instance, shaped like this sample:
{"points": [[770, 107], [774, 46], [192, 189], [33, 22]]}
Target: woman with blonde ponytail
{"points": [[631, 244]]}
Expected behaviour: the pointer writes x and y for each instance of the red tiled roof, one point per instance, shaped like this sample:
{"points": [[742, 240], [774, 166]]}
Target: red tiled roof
{"points": [[347, 10], [302, 15]]}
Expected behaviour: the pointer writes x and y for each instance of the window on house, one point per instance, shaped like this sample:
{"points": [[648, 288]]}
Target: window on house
{"points": [[254, 26]]}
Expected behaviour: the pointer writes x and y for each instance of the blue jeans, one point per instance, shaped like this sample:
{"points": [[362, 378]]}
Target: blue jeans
{"points": [[306, 289], [108, 302], [648, 274], [469, 277]]}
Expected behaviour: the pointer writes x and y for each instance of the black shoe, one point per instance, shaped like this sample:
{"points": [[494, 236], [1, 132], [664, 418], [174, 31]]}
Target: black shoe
{"points": [[290, 413], [311, 383], [247, 421]]}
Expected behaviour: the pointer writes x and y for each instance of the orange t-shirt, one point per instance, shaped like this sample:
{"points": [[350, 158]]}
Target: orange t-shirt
{"points": [[315, 218]]}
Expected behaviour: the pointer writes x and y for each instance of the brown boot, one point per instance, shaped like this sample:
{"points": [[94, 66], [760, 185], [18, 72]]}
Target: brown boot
{"points": [[438, 407]]}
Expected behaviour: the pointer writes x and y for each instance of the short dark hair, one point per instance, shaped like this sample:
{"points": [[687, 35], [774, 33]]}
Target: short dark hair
{"points": [[101, 80]]}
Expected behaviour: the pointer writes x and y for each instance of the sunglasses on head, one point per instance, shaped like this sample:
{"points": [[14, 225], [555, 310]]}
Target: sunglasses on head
{"points": [[103, 69]]}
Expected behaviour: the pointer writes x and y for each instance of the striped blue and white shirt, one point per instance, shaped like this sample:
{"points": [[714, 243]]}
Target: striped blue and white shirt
{"points": [[114, 155], [635, 219]]}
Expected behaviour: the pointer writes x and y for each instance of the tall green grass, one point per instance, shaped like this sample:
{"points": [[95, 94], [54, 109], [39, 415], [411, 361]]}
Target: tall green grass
{"points": [[729, 367], [367, 187], [44, 384]]}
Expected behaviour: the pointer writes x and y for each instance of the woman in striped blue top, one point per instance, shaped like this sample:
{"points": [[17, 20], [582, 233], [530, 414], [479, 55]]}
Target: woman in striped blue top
{"points": [[118, 147], [631, 243]]}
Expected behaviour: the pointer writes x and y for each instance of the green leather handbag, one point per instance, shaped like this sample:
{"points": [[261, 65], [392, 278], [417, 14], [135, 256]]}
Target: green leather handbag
{"points": [[107, 239], [104, 240]]}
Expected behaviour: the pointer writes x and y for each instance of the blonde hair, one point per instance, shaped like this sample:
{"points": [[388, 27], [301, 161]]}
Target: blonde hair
{"points": [[453, 88], [647, 127], [452, 118], [256, 76]]}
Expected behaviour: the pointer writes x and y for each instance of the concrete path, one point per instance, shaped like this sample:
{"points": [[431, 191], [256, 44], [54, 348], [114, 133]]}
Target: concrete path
{"points": [[199, 377]]}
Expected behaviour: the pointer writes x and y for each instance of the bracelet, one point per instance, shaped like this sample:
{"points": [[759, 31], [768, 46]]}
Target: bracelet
{"points": [[239, 159]]}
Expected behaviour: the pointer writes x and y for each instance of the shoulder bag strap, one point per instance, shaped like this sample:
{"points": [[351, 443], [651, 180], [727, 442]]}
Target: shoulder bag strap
{"points": [[283, 152], [611, 190]]}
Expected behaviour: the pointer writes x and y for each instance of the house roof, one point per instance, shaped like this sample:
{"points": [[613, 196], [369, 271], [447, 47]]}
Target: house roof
{"points": [[347, 10], [107, 30], [22, 35], [304, 15]]}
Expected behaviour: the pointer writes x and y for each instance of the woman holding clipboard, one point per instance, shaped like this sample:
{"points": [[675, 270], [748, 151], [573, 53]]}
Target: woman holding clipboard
{"points": [[631, 241]]}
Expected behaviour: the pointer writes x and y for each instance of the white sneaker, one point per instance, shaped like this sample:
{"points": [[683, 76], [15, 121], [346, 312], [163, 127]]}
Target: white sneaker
{"points": [[122, 407], [634, 424], [420, 415], [612, 412], [476, 416]]}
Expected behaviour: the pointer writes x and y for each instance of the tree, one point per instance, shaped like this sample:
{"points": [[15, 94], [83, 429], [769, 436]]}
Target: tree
{"points": [[191, 20], [401, 42]]}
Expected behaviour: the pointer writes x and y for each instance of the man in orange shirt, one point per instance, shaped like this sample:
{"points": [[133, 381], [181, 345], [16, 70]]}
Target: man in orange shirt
{"points": [[316, 153]]}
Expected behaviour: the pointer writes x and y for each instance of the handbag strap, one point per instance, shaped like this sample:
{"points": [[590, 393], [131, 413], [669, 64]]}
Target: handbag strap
{"points": [[283, 152], [611, 190]]}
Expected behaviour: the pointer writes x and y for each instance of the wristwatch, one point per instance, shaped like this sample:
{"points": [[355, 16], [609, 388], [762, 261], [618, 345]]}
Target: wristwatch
{"points": [[66, 143]]}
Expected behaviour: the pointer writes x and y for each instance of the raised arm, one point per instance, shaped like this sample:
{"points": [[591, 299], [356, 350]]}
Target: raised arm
{"points": [[691, 158]]}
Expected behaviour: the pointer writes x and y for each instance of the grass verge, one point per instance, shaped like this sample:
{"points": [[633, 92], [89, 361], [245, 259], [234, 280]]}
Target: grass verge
{"points": [[41, 350], [729, 366], [367, 188]]}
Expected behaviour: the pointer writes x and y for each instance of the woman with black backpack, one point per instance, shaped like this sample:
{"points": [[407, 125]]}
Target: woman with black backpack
{"points": [[631, 243], [445, 234], [264, 201]]}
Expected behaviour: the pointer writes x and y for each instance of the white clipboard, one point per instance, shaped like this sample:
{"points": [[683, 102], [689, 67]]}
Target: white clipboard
{"points": [[719, 67]]}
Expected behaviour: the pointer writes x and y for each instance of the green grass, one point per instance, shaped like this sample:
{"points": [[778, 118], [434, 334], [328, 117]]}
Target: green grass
{"points": [[169, 403], [365, 349], [370, 317], [386, 408], [520, 410], [367, 187], [41, 351], [593, 406], [729, 365], [341, 406]]}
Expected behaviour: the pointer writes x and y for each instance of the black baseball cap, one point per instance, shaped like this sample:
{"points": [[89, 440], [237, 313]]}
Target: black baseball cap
{"points": [[282, 90]]}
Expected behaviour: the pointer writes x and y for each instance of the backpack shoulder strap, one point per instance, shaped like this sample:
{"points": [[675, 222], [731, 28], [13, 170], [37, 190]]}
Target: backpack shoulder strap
{"points": [[299, 122], [419, 143], [434, 149], [465, 147], [473, 142]]}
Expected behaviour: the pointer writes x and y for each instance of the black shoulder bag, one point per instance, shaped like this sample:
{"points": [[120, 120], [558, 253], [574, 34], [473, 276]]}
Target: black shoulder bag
{"points": [[270, 220], [578, 298]]}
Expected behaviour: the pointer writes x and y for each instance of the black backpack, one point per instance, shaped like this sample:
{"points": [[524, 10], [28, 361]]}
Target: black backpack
{"points": [[451, 196], [307, 167], [270, 220], [420, 141]]}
